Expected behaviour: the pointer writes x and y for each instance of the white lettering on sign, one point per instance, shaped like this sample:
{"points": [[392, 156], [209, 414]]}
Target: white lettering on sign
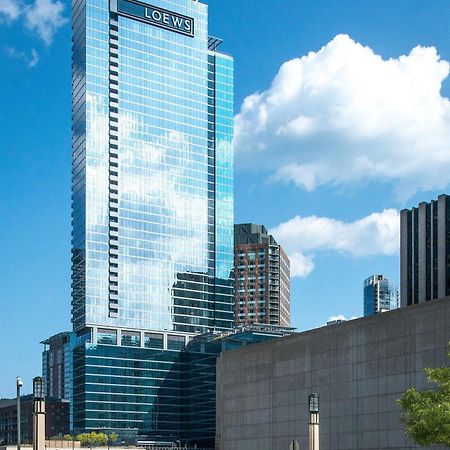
{"points": [[167, 19], [177, 21], [156, 16]]}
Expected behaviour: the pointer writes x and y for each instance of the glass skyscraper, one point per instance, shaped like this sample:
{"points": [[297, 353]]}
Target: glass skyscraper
{"points": [[379, 295], [152, 168], [152, 208]]}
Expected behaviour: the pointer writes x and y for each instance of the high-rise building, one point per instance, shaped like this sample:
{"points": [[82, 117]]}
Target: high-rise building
{"points": [[262, 278], [56, 365], [152, 208], [152, 179], [425, 251], [379, 295]]}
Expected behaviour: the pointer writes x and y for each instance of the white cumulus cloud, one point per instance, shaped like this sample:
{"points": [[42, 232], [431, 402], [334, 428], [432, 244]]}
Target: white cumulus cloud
{"points": [[302, 237], [34, 59], [31, 60], [301, 265], [340, 318], [9, 9], [344, 114], [43, 17]]}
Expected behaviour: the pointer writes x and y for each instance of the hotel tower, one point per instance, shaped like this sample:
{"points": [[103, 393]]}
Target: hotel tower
{"points": [[152, 209]]}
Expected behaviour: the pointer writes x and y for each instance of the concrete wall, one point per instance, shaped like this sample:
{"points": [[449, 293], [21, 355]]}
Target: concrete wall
{"points": [[61, 443], [359, 368], [404, 257], [64, 445]]}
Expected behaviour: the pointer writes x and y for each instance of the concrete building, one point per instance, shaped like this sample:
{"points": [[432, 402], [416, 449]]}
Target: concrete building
{"points": [[56, 365], [379, 295], [57, 419], [425, 251], [262, 278], [359, 368]]}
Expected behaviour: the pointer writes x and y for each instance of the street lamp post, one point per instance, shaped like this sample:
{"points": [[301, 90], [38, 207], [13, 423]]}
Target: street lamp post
{"points": [[19, 384], [38, 414], [313, 422]]}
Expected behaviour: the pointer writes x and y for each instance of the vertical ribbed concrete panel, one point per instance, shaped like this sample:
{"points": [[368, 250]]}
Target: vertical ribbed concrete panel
{"points": [[414, 256], [433, 211], [442, 263], [404, 258], [422, 247]]}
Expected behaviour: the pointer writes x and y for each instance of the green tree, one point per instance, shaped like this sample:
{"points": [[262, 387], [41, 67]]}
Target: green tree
{"points": [[84, 439], [92, 439], [112, 438], [426, 415]]}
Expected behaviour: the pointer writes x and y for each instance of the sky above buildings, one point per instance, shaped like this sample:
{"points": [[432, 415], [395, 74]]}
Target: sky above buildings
{"points": [[342, 119]]}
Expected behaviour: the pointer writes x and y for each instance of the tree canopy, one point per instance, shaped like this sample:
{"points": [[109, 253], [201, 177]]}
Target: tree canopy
{"points": [[92, 439], [426, 414]]}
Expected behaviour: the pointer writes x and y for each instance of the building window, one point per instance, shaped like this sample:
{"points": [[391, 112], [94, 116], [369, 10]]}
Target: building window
{"points": [[131, 338], [154, 340], [105, 336], [175, 342]]}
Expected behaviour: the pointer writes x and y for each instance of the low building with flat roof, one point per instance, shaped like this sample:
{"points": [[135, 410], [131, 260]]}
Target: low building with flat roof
{"points": [[56, 423], [359, 368]]}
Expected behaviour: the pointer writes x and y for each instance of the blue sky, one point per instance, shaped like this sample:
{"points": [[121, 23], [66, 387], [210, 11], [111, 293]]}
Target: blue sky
{"points": [[325, 156]]}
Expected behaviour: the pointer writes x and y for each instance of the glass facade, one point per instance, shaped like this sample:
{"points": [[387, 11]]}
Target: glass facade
{"points": [[152, 211], [152, 169], [165, 394], [133, 391]]}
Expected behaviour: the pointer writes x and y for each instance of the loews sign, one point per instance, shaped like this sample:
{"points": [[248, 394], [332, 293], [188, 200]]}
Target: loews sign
{"points": [[157, 16]]}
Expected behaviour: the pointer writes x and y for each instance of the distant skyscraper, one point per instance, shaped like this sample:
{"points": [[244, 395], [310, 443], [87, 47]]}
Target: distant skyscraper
{"points": [[425, 251], [56, 366], [262, 278], [379, 295], [152, 208]]}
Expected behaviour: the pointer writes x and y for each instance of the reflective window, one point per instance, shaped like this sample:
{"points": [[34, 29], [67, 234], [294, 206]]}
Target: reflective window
{"points": [[131, 338], [105, 336], [153, 340], [175, 342]]}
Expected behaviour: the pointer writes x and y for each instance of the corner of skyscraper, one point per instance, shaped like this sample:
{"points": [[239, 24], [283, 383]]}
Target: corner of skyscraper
{"points": [[152, 208]]}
